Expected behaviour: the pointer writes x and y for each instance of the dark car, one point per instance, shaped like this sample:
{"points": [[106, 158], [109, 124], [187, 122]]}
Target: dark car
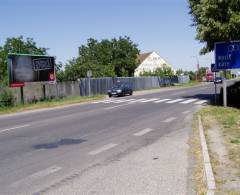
{"points": [[218, 80], [120, 89]]}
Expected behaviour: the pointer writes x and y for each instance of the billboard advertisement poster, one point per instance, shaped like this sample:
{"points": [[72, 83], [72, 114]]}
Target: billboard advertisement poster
{"points": [[227, 55], [23, 68]]}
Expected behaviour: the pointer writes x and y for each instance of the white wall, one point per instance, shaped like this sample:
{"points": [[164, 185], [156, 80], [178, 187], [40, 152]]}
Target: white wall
{"points": [[151, 63]]}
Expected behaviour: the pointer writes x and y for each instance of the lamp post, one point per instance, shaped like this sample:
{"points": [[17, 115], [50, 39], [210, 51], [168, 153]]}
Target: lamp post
{"points": [[197, 66]]}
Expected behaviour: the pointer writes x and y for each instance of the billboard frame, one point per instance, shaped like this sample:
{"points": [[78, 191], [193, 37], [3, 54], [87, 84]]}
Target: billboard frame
{"points": [[21, 84]]}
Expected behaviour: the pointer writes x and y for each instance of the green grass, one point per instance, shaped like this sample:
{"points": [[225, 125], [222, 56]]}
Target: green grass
{"points": [[229, 121], [48, 104]]}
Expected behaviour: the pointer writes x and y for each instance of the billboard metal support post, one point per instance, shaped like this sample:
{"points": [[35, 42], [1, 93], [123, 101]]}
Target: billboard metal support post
{"points": [[22, 95], [44, 92]]}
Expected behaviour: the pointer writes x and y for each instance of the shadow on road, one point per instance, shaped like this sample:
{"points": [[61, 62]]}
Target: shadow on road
{"points": [[59, 143]]}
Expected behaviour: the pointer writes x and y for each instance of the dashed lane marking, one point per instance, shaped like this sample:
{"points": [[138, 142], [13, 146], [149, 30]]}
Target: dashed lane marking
{"points": [[37, 175], [102, 149], [143, 132], [170, 119], [13, 128]]}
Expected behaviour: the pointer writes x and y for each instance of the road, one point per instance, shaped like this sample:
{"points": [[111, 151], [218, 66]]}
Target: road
{"points": [[103, 147]]}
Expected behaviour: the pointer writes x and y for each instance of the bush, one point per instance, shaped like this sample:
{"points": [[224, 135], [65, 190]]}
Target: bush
{"points": [[6, 97]]}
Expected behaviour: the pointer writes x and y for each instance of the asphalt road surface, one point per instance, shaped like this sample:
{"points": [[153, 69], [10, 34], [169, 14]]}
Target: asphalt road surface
{"points": [[103, 147]]}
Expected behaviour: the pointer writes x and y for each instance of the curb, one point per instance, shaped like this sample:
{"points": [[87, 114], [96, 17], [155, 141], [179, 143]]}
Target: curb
{"points": [[209, 177]]}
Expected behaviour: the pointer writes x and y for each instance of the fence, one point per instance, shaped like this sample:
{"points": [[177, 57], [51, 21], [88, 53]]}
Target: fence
{"points": [[92, 86]]}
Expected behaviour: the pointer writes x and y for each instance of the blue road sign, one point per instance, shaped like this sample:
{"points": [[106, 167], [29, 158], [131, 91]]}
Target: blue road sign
{"points": [[227, 55], [213, 68]]}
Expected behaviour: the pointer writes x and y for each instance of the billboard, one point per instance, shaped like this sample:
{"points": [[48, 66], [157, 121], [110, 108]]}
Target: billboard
{"points": [[23, 68], [227, 55]]}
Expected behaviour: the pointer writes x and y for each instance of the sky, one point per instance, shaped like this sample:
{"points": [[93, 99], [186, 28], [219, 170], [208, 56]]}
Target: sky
{"points": [[163, 26]]}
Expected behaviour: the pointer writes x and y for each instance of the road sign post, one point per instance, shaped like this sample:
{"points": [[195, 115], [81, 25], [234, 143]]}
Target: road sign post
{"points": [[89, 75], [227, 56], [224, 93]]}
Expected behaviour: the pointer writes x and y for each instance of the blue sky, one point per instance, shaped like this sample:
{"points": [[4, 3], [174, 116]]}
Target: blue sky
{"points": [[63, 25]]}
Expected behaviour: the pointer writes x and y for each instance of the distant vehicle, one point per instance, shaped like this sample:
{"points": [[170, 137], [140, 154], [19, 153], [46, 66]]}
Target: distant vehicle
{"points": [[209, 77], [218, 80], [120, 89]]}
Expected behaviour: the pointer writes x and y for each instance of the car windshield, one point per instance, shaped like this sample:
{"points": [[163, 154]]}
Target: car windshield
{"points": [[117, 86]]}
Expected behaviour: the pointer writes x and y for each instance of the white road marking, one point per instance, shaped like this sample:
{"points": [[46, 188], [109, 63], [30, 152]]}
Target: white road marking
{"points": [[201, 102], [163, 100], [143, 132], [102, 101], [13, 128], [37, 175], [102, 149], [109, 108], [188, 101], [186, 112], [123, 100], [168, 120], [174, 101], [139, 100], [149, 100]]}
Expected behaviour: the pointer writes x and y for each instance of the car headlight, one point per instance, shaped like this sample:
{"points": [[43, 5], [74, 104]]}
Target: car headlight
{"points": [[119, 90]]}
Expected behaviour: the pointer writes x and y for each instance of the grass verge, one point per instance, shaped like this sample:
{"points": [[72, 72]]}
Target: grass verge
{"points": [[196, 151], [229, 120], [226, 166], [48, 104]]}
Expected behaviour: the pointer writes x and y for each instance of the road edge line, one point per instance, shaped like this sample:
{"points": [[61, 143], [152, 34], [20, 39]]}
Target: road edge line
{"points": [[208, 172]]}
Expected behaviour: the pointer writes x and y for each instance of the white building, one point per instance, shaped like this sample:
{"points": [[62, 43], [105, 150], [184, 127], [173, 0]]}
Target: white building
{"points": [[149, 62]]}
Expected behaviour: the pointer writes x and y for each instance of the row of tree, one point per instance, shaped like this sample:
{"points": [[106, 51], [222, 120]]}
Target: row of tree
{"points": [[115, 57], [105, 58]]}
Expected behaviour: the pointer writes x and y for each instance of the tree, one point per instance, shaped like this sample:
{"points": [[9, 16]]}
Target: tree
{"points": [[202, 72], [115, 57], [215, 20], [17, 45], [179, 72]]}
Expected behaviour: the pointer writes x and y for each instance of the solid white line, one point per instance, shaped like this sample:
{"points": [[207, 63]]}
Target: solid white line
{"points": [[12, 128], [102, 149], [188, 101], [186, 112], [143, 132], [174, 101], [168, 120], [163, 100], [150, 100], [201, 102]]}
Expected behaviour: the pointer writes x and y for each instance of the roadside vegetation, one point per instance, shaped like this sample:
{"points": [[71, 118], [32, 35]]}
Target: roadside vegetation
{"points": [[222, 130], [50, 103]]}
